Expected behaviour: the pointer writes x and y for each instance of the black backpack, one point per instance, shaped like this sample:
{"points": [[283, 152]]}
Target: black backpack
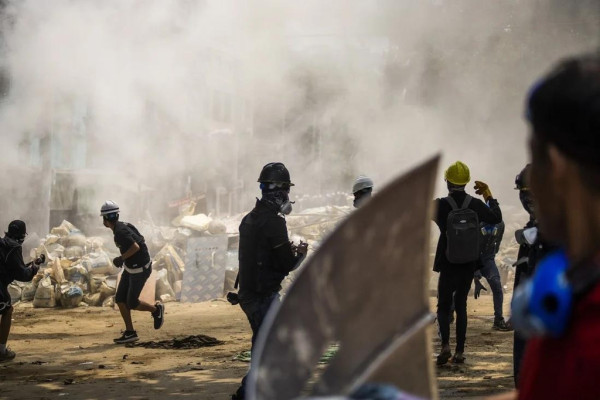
{"points": [[462, 233]]}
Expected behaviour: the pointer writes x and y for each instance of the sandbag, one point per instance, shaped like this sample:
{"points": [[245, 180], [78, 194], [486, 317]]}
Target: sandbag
{"points": [[44, 295], [74, 252], [68, 295], [199, 222], [57, 271], [109, 302], [64, 229], [95, 283], [108, 287], [15, 292], [94, 244], [217, 227], [75, 239], [177, 290], [94, 299], [98, 263], [76, 273], [28, 291], [53, 251], [163, 287]]}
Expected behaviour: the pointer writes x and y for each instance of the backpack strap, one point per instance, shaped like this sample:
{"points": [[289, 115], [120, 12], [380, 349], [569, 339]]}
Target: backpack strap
{"points": [[452, 203], [466, 202]]}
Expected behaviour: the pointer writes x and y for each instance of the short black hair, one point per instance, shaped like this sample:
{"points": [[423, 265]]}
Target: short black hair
{"points": [[564, 110]]}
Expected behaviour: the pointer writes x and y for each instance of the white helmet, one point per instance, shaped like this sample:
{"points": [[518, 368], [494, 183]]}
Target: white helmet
{"points": [[109, 207], [362, 182]]}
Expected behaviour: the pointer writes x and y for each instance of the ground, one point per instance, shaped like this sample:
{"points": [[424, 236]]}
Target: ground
{"points": [[69, 353]]}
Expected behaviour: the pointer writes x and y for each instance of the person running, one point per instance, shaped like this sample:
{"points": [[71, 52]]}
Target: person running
{"points": [[137, 265]]}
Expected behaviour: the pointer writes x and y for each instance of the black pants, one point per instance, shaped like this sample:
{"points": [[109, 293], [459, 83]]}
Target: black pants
{"points": [[255, 311], [519, 346], [454, 281]]}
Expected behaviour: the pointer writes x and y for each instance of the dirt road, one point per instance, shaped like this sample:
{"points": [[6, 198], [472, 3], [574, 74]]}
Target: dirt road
{"points": [[70, 354]]}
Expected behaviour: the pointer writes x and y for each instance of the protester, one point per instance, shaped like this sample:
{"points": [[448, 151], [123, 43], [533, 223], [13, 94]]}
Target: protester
{"points": [[266, 255], [12, 267], [137, 268], [457, 254]]}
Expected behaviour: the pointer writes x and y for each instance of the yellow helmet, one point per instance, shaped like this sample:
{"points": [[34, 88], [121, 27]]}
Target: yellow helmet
{"points": [[458, 174]]}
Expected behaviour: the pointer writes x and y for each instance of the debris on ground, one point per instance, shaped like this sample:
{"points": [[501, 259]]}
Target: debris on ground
{"points": [[188, 342]]}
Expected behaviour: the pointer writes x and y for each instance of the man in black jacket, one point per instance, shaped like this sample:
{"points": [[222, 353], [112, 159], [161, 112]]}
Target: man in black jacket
{"points": [[457, 278], [266, 255], [12, 267]]}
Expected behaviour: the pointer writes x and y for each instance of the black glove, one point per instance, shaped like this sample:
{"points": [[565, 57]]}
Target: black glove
{"points": [[40, 260], [478, 287], [118, 261]]}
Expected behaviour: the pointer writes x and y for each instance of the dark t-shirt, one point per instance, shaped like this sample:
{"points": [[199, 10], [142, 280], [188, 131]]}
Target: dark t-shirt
{"points": [[489, 215], [265, 253], [125, 236]]}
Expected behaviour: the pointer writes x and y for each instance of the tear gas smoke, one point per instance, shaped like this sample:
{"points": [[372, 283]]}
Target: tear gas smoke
{"points": [[194, 96]]}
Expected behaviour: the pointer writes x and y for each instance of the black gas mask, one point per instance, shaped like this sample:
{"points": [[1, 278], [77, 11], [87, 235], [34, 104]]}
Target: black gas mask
{"points": [[278, 195], [527, 201], [361, 196]]}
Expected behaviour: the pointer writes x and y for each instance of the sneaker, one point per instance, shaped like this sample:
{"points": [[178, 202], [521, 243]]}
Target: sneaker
{"points": [[443, 357], [127, 337], [7, 355], [159, 315], [501, 325]]}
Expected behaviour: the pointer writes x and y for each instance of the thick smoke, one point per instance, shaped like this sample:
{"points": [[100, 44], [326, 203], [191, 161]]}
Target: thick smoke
{"points": [[178, 97]]}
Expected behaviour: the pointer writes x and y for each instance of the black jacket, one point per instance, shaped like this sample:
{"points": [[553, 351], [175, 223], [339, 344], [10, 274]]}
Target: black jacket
{"points": [[530, 255], [265, 253], [12, 266], [489, 215]]}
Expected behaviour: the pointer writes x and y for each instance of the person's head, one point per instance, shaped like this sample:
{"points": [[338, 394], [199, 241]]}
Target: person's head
{"points": [[457, 176], [563, 110], [522, 185], [110, 213], [17, 230], [362, 190], [275, 184]]}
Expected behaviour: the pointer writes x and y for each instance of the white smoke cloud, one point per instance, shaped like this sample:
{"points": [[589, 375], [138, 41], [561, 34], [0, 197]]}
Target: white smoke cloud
{"points": [[333, 89]]}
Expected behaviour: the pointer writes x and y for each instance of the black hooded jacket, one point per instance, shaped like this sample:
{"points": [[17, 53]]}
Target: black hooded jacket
{"points": [[12, 266]]}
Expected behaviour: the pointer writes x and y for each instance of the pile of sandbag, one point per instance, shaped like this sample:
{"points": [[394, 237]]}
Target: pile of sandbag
{"points": [[78, 271], [170, 267]]}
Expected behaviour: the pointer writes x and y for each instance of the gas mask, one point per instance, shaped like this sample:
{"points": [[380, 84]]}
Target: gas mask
{"points": [[277, 195], [361, 196], [527, 201]]}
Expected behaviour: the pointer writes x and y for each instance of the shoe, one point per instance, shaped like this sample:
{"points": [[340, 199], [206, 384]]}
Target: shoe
{"points": [[127, 337], [7, 355], [443, 357], [458, 358], [159, 315], [501, 325]]}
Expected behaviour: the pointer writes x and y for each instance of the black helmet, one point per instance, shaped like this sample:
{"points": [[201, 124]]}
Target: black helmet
{"points": [[521, 179], [17, 229], [275, 172]]}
